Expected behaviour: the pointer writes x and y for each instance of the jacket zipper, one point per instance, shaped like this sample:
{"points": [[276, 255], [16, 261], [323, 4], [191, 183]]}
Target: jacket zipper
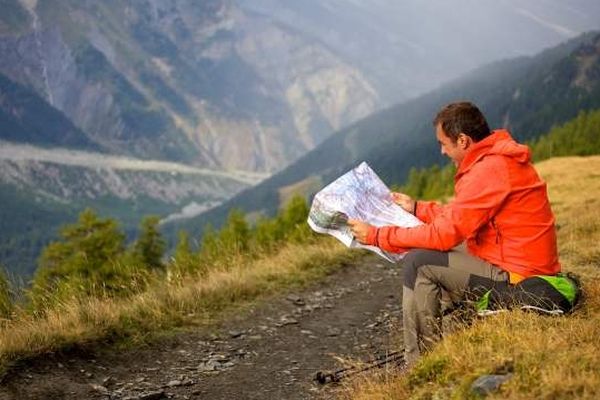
{"points": [[498, 238]]}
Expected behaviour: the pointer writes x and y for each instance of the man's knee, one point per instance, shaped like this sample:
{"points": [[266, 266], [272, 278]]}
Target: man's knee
{"points": [[414, 259]]}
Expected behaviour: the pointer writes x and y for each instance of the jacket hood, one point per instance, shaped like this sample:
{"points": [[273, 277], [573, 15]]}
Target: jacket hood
{"points": [[499, 142]]}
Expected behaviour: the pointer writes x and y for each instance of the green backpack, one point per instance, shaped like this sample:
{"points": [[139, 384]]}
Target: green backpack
{"points": [[545, 294]]}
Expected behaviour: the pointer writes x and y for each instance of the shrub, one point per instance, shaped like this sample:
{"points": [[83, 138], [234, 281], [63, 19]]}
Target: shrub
{"points": [[6, 297], [84, 262], [149, 248]]}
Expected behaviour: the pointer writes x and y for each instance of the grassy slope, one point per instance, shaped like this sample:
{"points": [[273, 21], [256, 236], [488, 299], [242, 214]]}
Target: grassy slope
{"points": [[196, 301], [551, 357]]}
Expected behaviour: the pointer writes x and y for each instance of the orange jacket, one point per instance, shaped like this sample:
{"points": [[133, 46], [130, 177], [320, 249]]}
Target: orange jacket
{"points": [[500, 208]]}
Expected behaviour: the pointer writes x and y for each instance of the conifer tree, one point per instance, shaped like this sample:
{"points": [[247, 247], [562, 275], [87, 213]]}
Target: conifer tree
{"points": [[210, 248], [183, 260], [578, 137], [266, 233], [235, 234], [182, 249], [6, 300], [83, 261], [292, 220], [430, 183], [149, 248]]}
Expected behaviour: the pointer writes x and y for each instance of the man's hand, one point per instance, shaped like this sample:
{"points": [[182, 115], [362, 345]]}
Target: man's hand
{"points": [[404, 201], [359, 230]]}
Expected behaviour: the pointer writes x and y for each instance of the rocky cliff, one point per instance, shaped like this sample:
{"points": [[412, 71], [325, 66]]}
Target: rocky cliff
{"points": [[254, 84], [200, 82], [221, 85]]}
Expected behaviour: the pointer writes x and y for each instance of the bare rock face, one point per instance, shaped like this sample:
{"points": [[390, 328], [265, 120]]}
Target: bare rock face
{"points": [[254, 84], [200, 82]]}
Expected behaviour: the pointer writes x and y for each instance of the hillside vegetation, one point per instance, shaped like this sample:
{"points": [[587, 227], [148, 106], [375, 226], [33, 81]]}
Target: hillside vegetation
{"points": [[92, 287], [550, 357], [44, 188]]}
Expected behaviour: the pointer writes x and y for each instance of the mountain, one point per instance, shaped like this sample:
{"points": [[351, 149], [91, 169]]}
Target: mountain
{"points": [[251, 85], [219, 86], [527, 95], [41, 189], [405, 48], [197, 82], [25, 117]]}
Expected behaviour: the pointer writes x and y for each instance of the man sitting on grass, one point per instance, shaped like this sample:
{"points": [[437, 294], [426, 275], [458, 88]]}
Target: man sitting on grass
{"points": [[500, 210]]}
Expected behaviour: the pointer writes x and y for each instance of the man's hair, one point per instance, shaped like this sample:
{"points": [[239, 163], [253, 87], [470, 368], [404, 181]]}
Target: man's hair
{"points": [[464, 117]]}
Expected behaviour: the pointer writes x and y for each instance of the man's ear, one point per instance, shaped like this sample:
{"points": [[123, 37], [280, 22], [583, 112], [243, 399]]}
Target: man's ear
{"points": [[463, 140]]}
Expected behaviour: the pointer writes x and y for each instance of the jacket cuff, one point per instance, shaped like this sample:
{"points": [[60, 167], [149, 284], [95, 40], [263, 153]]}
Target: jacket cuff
{"points": [[372, 236]]}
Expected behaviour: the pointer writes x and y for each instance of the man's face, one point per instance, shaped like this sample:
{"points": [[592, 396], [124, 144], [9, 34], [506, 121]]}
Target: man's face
{"points": [[456, 151]]}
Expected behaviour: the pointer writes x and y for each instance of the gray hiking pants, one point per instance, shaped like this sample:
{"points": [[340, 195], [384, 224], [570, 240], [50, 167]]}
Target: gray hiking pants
{"points": [[428, 274]]}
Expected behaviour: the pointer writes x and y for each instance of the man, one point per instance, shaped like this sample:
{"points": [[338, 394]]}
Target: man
{"points": [[500, 209]]}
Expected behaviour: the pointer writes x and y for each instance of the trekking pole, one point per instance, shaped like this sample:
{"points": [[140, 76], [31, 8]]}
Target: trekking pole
{"points": [[324, 377]]}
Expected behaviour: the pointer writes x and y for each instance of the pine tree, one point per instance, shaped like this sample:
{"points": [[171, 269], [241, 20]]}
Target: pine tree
{"points": [[292, 220], [430, 183], [84, 261], [266, 234], [235, 234], [183, 249], [578, 137], [6, 298], [415, 183], [210, 248], [149, 248], [183, 261]]}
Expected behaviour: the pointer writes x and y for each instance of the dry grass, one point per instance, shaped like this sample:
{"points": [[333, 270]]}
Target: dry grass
{"points": [[551, 357], [165, 306]]}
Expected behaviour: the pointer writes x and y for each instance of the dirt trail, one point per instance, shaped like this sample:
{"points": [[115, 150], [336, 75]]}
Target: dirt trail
{"points": [[271, 351]]}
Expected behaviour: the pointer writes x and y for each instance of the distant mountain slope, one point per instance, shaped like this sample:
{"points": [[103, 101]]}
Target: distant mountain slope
{"points": [[254, 84], [201, 82], [239, 85], [42, 189], [27, 118], [407, 47], [28, 223], [526, 95]]}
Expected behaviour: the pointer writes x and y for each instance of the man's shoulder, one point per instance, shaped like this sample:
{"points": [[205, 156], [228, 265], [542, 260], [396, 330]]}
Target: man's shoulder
{"points": [[491, 167], [493, 161]]}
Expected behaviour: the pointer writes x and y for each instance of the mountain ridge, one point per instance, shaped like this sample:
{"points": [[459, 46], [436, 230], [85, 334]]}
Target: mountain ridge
{"points": [[180, 81], [211, 83], [398, 138], [214, 85]]}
